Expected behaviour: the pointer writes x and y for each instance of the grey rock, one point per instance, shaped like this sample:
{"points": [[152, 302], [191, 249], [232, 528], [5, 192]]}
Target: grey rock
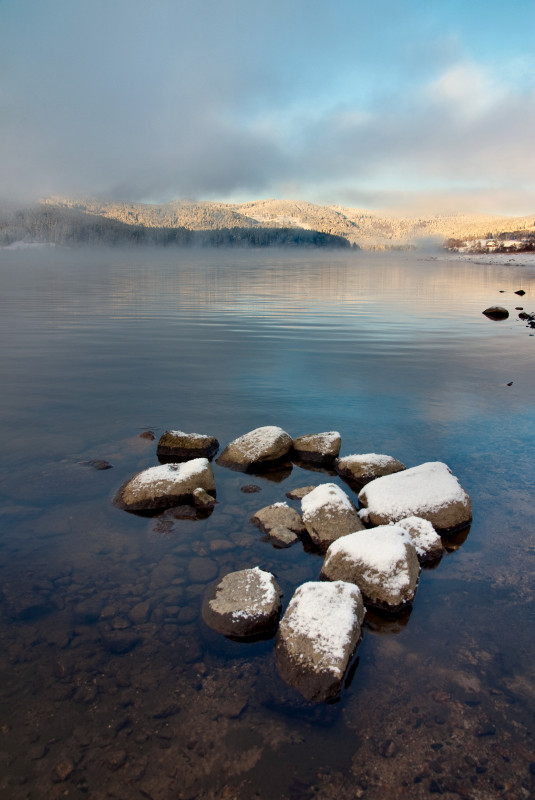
{"points": [[328, 514], [317, 447], [261, 446], [317, 637], [202, 500], [429, 491], [367, 466], [280, 536], [298, 494], [382, 562], [187, 445], [243, 604], [278, 515], [496, 312], [165, 486]]}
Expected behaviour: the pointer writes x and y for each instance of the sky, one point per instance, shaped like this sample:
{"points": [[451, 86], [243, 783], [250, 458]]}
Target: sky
{"points": [[420, 106]]}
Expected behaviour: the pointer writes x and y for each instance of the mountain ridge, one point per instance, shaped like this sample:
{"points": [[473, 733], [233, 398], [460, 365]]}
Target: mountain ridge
{"points": [[368, 229]]}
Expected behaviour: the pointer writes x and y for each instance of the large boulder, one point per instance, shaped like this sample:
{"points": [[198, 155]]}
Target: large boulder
{"points": [[183, 446], [243, 604], [367, 466], [382, 562], [328, 513], [317, 637], [430, 491], [427, 542], [258, 448], [166, 486], [317, 447]]}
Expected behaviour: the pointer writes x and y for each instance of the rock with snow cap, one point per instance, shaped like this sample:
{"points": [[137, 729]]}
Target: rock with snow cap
{"points": [[382, 562], [319, 448], [367, 466], [318, 636], [181, 446], [166, 486], [243, 604], [259, 448], [424, 537], [429, 490], [328, 514], [278, 515]]}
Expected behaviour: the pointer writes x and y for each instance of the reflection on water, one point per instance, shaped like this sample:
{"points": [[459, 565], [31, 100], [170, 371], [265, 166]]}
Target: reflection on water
{"points": [[112, 686]]}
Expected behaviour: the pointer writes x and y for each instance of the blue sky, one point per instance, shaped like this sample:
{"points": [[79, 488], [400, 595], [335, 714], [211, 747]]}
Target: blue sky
{"points": [[419, 106]]}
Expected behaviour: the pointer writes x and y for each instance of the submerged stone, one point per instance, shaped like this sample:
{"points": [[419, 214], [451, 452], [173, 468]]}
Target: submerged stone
{"points": [[328, 514], [243, 604], [260, 447], [317, 637], [382, 562], [165, 486], [429, 490]]}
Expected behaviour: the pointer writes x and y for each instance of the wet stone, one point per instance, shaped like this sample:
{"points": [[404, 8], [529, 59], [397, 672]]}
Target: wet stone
{"points": [[147, 435], [140, 612], [202, 500], [276, 516], [97, 463], [115, 759], [279, 536], [250, 488], [299, 493], [202, 570]]}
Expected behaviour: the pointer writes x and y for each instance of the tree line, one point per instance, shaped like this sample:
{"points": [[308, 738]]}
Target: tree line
{"points": [[71, 227]]}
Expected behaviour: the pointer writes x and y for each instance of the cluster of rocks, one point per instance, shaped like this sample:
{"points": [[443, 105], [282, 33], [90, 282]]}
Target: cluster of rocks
{"points": [[372, 555]]}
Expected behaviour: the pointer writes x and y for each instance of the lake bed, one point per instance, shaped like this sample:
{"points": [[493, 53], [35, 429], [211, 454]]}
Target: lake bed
{"points": [[112, 685]]}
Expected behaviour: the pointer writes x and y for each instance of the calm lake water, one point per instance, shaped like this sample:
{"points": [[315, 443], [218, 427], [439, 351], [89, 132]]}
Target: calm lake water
{"points": [[111, 684]]}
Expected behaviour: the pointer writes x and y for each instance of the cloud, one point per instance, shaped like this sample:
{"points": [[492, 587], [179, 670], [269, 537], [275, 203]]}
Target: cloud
{"points": [[219, 100]]}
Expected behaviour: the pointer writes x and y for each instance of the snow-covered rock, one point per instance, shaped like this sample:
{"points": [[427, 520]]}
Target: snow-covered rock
{"points": [[317, 447], [278, 515], [317, 637], [259, 447], [328, 513], [244, 603], [424, 537], [183, 446], [165, 486], [382, 562], [428, 490], [367, 466]]}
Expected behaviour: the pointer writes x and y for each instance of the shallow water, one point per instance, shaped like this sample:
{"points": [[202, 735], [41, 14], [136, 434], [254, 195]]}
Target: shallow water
{"points": [[111, 685]]}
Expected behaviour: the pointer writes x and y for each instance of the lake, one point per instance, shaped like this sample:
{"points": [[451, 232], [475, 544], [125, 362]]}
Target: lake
{"points": [[111, 684]]}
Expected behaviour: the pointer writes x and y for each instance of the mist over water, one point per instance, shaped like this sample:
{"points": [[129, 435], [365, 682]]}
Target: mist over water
{"points": [[112, 684]]}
